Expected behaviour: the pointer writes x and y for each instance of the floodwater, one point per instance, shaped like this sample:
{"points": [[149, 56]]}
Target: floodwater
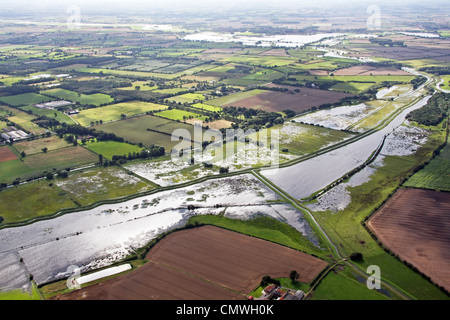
{"points": [[96, 238], [303, 179], [262, 41]]}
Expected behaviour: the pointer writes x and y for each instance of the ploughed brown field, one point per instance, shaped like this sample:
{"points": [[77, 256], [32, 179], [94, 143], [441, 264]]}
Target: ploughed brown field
{"points": [[415, 225], [368, 70], [205, 263], [6, 154], [275, 101]]}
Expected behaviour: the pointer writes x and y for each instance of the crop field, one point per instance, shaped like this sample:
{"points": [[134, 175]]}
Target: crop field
{"points": [[110, 148], [36, 146], [209, 261], [36, 164], [6, 154], [135, 131], [188, 98], [24, 99], [265, 61], [180, 115], [61, 117], [230, 99], [23, 119], [415, 225], [363, 70], [95, 99], [206, 107], [435, 175], [275, 101], [114, 111]]}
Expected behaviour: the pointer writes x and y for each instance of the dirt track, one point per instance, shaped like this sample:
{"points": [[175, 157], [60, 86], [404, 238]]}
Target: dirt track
{"points": [[205, 263], [415, 225]]}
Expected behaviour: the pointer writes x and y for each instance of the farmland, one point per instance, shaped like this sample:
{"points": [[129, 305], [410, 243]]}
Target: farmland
{"points": [[414, 224], [203, 254], [338, 123], [115, 111], [96, 99]]}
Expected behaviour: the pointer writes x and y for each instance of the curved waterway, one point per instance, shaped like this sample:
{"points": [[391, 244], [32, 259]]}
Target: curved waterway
{"points": [[303, 179]]}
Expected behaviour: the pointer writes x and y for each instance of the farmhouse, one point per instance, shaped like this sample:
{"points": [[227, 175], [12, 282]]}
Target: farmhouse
{"points": [[274, 292]]}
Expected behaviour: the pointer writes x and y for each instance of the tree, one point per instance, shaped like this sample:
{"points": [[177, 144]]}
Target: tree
{"points": [[356, 256], [49, 176], [23, 154], [294, 276], [44, 150], [100, 158]]}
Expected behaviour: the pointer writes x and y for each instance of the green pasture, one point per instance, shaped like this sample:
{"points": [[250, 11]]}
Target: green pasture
{"points": [[114, 112], [95, 99]]}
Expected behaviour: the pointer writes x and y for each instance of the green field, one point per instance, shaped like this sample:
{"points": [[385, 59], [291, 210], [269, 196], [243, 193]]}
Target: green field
{"points": [[344, 285], [21, 203], [95, 99], [135, 131], [36, 146], [435, 175], [38, 163], [256, 60], [24, 99], [114, 111], [206, 107], [188, 98], [446, 84], [111, 148], [61, 117], [180, 115], [23, 119]]}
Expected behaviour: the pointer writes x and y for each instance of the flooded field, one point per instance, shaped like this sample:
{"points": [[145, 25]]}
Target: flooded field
{"points": [[98, 237], [303, 179]]}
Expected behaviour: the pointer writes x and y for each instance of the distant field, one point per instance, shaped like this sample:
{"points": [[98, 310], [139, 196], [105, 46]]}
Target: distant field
{"points": [[180, 115], [219, 102], [110, 148], [61, 117], [446, 84], [206, 107], [114, 111], [276, 101], [96, 99], [266, 61], [188, 97], [6, 154], [24, 99]]}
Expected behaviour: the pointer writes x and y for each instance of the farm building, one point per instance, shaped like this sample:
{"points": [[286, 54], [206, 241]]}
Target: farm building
{"points": [[14, 134], [274, 292], [53, 104]]}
